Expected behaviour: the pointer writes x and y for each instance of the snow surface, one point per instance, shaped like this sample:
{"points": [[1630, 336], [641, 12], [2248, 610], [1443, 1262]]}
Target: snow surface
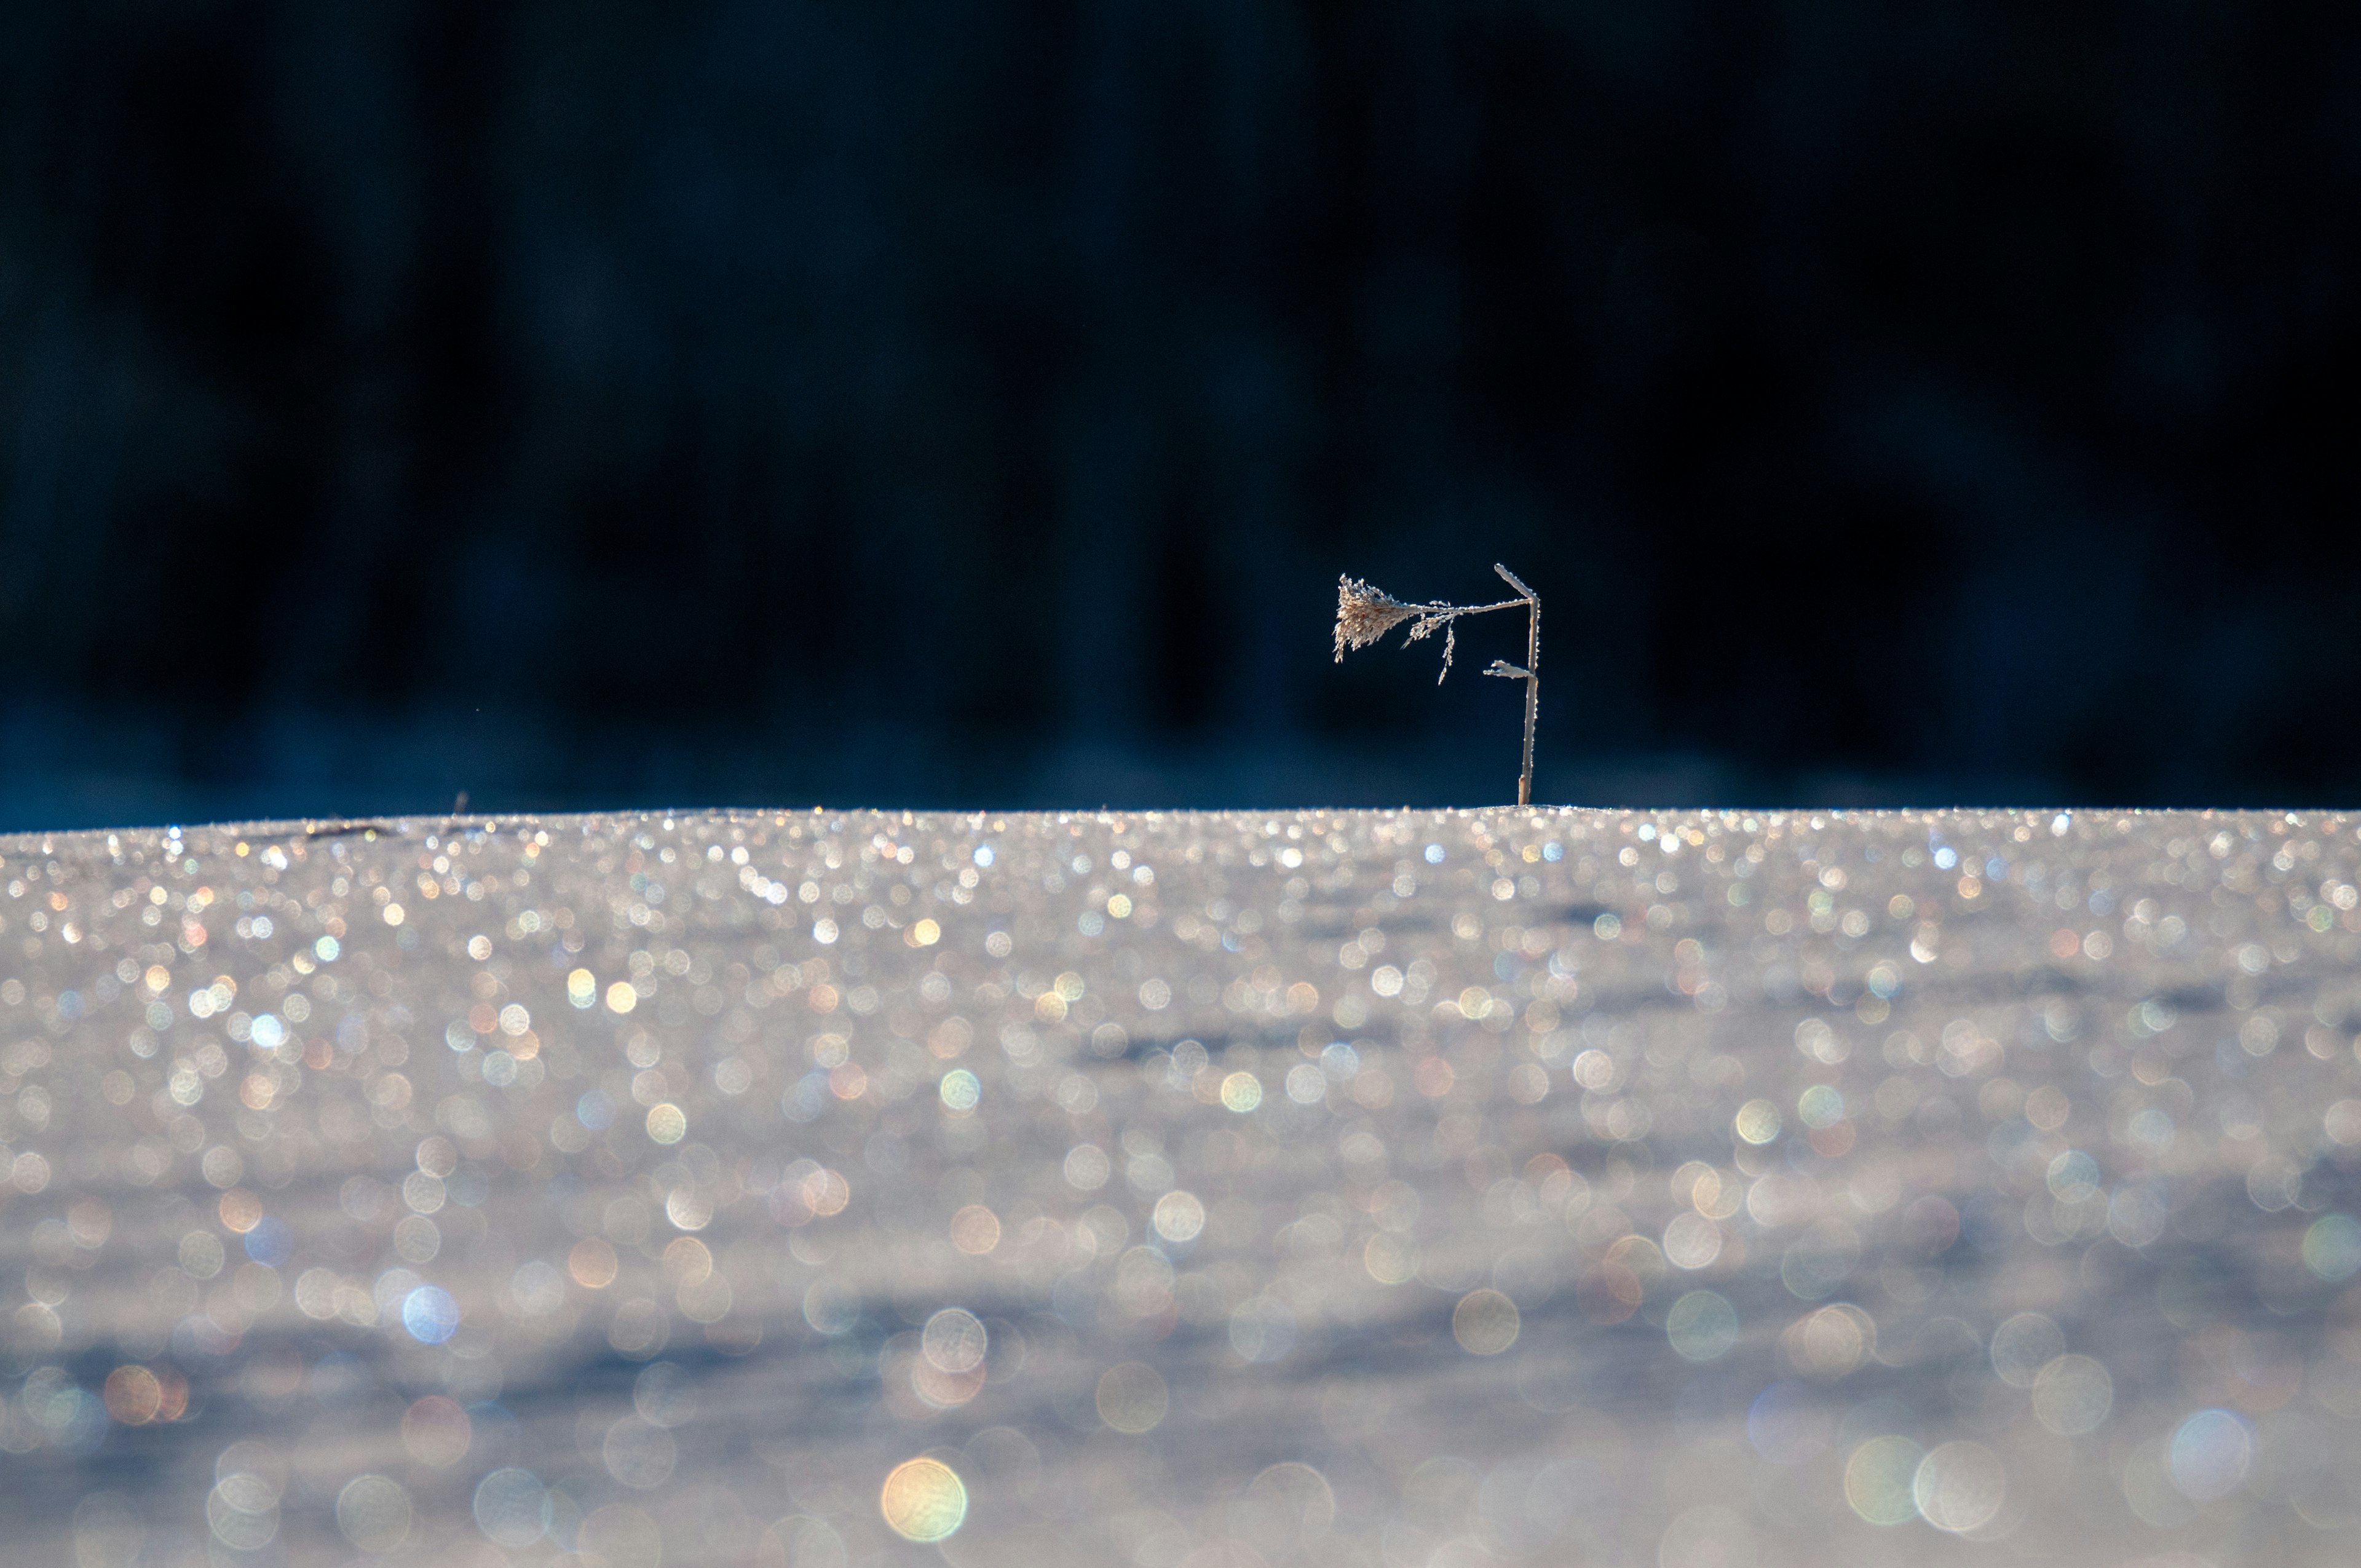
{"points": [[1416, 1189]]}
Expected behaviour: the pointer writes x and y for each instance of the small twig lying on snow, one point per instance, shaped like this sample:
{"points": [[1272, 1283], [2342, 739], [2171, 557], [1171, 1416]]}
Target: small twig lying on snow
{"points": [[1364, 614]]}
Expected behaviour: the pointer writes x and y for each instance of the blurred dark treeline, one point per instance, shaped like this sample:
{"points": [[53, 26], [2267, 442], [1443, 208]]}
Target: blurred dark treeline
{"points": [[938, 404]]}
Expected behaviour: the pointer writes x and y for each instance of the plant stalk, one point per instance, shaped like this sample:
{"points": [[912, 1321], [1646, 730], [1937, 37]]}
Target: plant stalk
{"points": [[1532, 696], [1533, 674], [1364, 614]]}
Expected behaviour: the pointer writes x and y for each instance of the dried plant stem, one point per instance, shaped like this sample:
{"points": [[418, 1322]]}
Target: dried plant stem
{"points": [[1533, 674], [1364, 614], [1532, 699]]}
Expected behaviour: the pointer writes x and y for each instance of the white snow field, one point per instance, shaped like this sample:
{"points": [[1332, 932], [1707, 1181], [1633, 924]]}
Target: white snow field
{"points": [[1361, 1190]]}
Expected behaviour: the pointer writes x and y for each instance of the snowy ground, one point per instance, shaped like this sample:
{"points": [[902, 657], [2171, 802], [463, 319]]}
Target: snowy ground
{"points": [[1383, 1190]]}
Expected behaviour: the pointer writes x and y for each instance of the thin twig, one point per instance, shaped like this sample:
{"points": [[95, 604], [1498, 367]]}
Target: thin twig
{"points": [[1364, 614], [1533, 674]]}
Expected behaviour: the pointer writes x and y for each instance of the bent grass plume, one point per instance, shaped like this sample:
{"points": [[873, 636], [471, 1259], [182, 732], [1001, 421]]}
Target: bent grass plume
{"points": [[1364, 614]]}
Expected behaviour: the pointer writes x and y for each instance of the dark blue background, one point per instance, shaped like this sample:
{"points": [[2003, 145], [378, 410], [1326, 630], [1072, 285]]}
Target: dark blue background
{"points": [[939, 404]]}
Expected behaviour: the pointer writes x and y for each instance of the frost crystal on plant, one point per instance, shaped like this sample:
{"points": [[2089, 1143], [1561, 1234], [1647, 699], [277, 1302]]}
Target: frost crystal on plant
{"points": [[1364, 614]]}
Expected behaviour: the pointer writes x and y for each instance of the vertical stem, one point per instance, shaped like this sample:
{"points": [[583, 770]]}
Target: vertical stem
{"points": [[1532, 693]]}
